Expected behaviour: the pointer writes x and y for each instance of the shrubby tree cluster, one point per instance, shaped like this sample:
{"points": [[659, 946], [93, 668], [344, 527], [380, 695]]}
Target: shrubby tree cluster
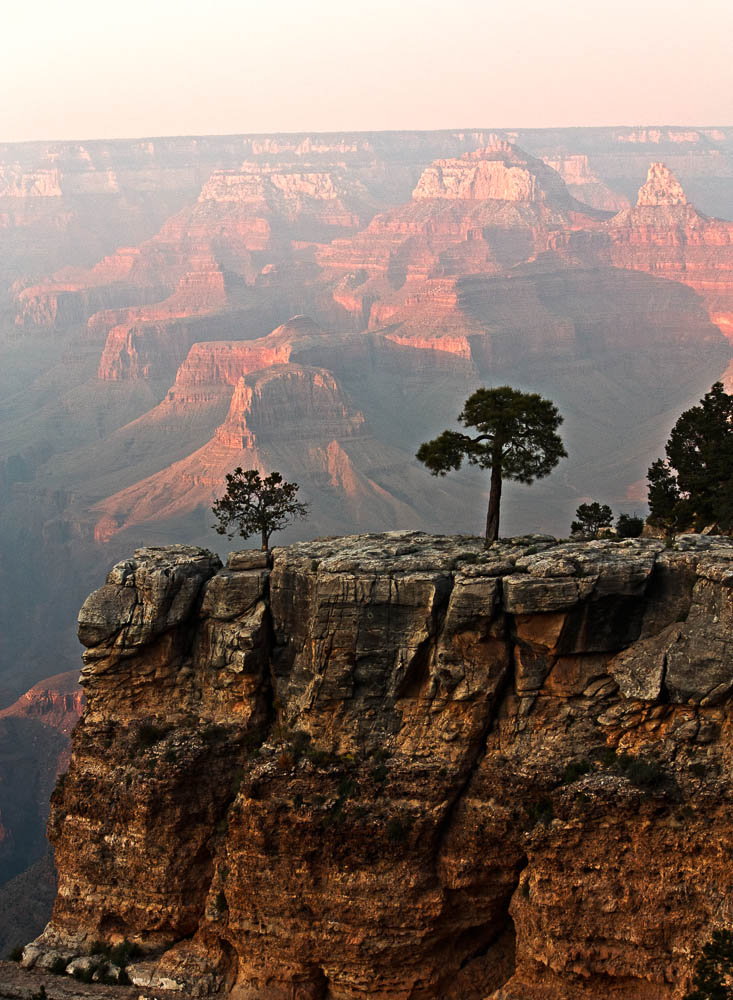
{"points": [[592, 518], [693, 486]]}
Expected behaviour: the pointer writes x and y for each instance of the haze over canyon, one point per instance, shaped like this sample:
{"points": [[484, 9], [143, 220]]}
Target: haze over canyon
{"points": [[321, 304]]}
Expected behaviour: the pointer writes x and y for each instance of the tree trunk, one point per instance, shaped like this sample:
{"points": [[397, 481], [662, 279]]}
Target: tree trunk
{"points": [[265, 539], [492, 515]]}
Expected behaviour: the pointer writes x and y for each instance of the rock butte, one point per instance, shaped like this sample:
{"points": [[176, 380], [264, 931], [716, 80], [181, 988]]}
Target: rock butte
{"points": [[391, 766]]}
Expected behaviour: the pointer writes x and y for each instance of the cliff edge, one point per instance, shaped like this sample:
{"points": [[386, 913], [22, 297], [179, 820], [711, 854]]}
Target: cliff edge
{"points": [[402, 766]]}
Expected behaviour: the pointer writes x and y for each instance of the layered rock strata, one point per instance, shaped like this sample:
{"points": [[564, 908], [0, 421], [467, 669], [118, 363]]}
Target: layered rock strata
{"points": [[664, 235], [403, 766]]}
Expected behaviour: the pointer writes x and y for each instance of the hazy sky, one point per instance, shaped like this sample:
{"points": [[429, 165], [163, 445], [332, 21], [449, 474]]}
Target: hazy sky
{"points": [[83, 69]]}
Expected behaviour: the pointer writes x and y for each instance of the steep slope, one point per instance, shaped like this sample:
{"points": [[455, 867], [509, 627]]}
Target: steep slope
{"points": [[34, 748], [295, 419], [584, 184], [402, 766]]}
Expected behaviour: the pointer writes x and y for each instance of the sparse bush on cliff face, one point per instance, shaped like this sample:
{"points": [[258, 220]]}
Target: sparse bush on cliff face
{"points": [[713, 978], [256, 505], [629, 526], [517, 440]]}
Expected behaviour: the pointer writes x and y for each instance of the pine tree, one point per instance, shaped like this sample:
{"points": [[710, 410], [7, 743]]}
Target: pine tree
{"points": [[257, 506], [517, 440], [693, 487], [591, 517]]}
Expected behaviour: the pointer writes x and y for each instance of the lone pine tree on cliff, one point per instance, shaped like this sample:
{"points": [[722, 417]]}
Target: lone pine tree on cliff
{"points": [[257, 506], [517, 440]]}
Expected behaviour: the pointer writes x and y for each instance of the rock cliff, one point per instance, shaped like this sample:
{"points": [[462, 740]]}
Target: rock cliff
{"points": [[402, 766]]}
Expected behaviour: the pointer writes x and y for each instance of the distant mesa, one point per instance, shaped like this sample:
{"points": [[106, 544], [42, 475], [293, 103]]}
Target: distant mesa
{"points": [[500, 172]]}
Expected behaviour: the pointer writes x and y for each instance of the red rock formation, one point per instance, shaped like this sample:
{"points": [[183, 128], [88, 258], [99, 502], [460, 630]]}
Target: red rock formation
{"points": [[478, 214], [298, 420], [57, 702], [665, 236], [223, 363]]}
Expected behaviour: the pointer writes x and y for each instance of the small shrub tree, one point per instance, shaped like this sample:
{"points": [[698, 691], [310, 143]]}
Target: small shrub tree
{"points": [[629, 526], [517, 440], [591, 517], [257, 506]]}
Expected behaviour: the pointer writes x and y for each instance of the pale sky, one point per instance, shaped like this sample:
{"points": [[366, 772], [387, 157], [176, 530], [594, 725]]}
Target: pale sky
{"points": [[80, 69]]}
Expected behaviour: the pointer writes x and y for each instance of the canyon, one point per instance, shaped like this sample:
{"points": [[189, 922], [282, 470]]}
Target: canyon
{"points": [[402, 765], [322, 304]]}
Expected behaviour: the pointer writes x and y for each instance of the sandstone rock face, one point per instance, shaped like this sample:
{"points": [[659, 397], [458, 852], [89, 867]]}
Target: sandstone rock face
{"points": [[501, 171], [661, 188], [403, 766]]}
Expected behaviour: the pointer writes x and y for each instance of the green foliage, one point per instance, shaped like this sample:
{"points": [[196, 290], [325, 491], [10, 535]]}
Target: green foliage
{"points": [[257, 506], [591, 517], [84, 975], [713, 977], [15, 954], [666, 508], [58, 966], [693, 487], [517, 440], [629, 526]]}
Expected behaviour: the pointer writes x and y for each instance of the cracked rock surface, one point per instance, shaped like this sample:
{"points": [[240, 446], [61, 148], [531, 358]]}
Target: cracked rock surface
{"points": [[403, 766]]}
